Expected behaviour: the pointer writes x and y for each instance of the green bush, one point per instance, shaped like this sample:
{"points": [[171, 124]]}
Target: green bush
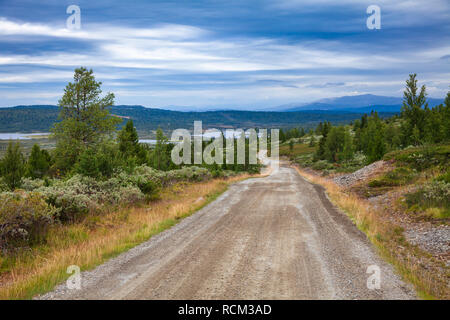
{"points": [[24, 219], [148, 187], [444, 177], [79, 195], [29, 184], [129, 195], [397, 177], [3, 186], [88, 165], [421, 158], [435, 194], [322, 165]]}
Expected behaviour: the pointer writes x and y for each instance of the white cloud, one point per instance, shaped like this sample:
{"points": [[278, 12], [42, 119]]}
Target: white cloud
{"points": [[179, 49], [190, 49], [100, 32]]}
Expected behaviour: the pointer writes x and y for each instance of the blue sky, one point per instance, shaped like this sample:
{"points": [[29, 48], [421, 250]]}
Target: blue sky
{"points": [[240, 54]]}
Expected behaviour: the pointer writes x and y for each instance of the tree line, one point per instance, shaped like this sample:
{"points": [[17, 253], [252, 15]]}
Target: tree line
{"points": [[416, 125], [89, 143]]}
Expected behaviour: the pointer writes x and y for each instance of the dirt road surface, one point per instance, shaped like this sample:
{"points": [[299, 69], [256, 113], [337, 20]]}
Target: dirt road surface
{"points": [[276, 237]]}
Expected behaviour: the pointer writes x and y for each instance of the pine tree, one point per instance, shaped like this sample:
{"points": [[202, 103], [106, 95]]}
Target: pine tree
{"points": [[415, 136], [347, 152], [320, 153], [282, 136], [160, 157], [84, 116], [38, 164], [312, 141], [392, 136], [13, 166], [128, 140], [88, 164], [413, 102], [319, 129], [376, 146], [446, 117]]}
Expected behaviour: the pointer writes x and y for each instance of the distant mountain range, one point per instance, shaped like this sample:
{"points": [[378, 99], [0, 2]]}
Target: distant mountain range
{"points": [[40, 118], [359, 103]]}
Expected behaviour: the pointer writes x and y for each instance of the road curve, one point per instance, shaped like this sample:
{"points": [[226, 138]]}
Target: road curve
{"points": [[276, 237]]}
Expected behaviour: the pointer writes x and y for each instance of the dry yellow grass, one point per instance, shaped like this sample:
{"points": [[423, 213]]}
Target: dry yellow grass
{"points": [[388, 239], [98, 238]]}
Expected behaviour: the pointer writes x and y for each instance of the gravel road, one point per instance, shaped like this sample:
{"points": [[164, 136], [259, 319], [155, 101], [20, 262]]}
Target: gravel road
{"points": [[276, 237]]}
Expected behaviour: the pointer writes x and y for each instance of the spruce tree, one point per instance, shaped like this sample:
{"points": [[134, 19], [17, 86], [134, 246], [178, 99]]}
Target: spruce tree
{"points": [[414, 100], [13, 166], [128, 140], [38, 163]]}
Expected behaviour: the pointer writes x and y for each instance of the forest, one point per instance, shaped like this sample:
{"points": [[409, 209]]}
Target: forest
{"points": [[40, 118], [414, 145], [369, 138], [94, 165]]}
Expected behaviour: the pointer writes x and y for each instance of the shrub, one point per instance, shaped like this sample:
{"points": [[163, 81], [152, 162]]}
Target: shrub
{"points": [[435, 194], [3, 185], [129, 195], [69, 204], [148, 187], [13, 166], [397, 177], [422, 157], [38, 162], [444, 177], [80, 195], [24, 219], [88, 164], [29, 184], [322, 165], [72, 198]]}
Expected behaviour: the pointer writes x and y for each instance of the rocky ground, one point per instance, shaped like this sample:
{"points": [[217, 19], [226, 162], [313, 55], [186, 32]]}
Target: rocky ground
{"points": [[363, 174], [432, 237]]}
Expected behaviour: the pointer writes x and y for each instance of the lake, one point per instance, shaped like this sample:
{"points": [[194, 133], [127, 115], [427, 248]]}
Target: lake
{"points": [[21, 136]]}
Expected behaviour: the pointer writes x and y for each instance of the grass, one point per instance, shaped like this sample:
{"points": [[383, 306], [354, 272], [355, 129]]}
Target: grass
{"points": [[388, 239], [299, 149], [303, 154], [397, 177], [431, 200], [98, 238], [422, 157], [437, 213]]}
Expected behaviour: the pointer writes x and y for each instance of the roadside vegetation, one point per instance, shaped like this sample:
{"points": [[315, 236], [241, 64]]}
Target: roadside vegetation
{"points": [[412, 263], [412, 185], [98, 192], [96, 238], [416, 142]]}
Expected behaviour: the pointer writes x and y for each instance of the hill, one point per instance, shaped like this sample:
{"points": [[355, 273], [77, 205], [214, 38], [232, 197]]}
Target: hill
{"points": [[359, 103], [40, 118]]}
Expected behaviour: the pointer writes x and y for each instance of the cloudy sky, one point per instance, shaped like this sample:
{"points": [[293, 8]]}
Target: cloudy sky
{"points": [[230, 53]]}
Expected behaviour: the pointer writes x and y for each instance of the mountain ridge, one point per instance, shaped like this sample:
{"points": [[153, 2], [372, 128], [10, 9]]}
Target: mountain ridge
{"points": [[28, 119], [359, 103], [365, 103]]}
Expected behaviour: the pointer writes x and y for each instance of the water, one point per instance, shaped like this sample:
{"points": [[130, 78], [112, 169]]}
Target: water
{"points": [[29, 136], [21, 136], [148, 141]]}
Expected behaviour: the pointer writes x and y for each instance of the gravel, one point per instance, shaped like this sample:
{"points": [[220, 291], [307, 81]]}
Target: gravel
{"points": [[434, 239], [360, 175], [277, 237]]}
